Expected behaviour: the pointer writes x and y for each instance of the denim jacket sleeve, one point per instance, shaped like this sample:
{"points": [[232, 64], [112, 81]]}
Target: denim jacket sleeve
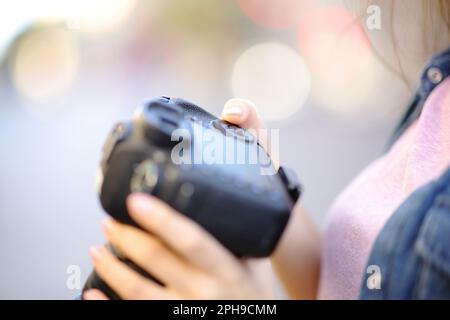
{"points": [[412, 252]]}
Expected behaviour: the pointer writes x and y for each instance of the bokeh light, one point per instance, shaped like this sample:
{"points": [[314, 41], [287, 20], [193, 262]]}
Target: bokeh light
{"points": [[338, 53], [273, 76], [45, 64], [278, 14], [89, 17], [333, 43], [99, 16]]}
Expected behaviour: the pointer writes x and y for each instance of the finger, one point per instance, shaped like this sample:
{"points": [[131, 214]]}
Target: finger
{"points": [[182, 234], [149, 253], [94, 294], [124, 281], [261, 270], [243, 113]]}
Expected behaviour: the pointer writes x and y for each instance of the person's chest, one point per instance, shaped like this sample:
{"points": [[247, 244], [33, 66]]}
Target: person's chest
{"points": [[355, 219]]}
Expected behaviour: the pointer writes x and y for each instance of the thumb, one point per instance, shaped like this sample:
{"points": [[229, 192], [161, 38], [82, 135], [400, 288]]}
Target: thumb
{"points": [[242, 113]]}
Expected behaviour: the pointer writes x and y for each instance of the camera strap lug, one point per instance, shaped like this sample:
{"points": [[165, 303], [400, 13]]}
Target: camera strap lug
{"points": [[290, 180]]}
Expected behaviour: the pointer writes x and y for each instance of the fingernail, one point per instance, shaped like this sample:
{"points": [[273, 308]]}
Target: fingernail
{"points": [[140, 204], [108, 225], [233, 111], [96, 252]]}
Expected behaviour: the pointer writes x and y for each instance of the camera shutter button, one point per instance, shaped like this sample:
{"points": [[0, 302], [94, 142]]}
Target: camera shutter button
{"points": [[233, 131], [220, 125]]}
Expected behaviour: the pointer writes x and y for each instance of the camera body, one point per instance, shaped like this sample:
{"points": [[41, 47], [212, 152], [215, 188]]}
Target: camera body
{"points": [[215, 173]]}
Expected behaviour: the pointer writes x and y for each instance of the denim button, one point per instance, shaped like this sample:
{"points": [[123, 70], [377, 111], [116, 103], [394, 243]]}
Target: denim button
{"points": [[434, 75]]}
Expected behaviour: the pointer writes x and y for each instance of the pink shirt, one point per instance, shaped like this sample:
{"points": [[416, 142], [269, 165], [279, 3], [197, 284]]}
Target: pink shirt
{"points": [[421, 154]]}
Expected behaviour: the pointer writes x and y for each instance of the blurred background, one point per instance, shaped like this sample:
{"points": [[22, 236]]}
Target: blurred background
{"points": [[70, 69]]}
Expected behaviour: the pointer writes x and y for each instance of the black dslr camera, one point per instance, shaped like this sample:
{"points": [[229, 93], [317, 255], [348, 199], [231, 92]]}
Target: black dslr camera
{"points": [[212, 171]]}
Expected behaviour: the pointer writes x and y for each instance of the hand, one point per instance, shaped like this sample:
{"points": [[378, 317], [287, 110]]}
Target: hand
{"points": [[177, 251]]}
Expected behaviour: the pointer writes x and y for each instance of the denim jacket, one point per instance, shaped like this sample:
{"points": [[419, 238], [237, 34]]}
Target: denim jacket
{"points": [[411, 256], [412, 252]]}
